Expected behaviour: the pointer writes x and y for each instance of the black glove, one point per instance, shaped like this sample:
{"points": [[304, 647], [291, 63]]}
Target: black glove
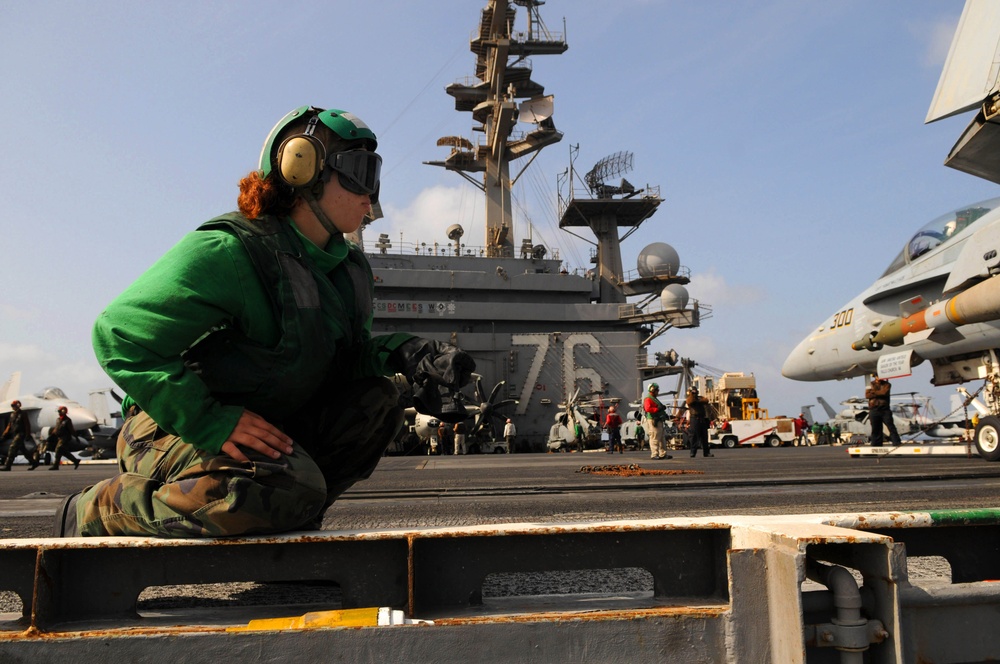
{"points": [[436, 370]]}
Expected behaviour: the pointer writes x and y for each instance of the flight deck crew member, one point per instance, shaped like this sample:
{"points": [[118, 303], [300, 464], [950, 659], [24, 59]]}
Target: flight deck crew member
{"points": [[613, 424], [640, 436], [578, 435], [446, 434], [248, 351], [509, 433], [816, 431], [63, 433], [19, 430], [800, 429], [697, 406], [655, 413], [879, 412], [460, 438]]}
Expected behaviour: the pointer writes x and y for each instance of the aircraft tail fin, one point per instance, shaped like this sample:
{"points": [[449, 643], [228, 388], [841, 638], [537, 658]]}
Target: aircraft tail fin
{"points": [[99, 406], [968, 76], [829, 409], [966, 405], [11, 388], [969, 81], [807, 413]]}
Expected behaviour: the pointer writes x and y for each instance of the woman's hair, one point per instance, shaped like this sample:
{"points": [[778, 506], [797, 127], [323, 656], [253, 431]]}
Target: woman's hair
{"points": [[261, 195]]}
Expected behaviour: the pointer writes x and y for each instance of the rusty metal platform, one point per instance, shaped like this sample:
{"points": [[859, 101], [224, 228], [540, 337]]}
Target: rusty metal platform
{"points": [[727, 589]]}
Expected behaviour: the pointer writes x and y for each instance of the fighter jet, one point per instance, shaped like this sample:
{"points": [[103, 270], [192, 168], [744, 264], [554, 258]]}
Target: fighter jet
{"points": [[939, 299], [41, 409]]}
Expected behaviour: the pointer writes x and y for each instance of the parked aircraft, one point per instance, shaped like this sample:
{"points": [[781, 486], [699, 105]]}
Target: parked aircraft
{"points": [[939, 299], [486, 420], [852, 419], [587, 409], [41, 409], [590, 410]]}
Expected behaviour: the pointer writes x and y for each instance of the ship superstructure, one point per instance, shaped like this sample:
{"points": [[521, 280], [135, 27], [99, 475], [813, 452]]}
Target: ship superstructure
{"points": [[547, 334]]}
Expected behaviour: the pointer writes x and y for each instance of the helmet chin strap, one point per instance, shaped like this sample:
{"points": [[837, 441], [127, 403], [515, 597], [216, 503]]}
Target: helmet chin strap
{"points": [[320, 215]]}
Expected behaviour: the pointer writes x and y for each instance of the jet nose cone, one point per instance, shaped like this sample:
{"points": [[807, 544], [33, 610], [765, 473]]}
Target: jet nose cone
{"points": [[82, 418], [798, 365]]}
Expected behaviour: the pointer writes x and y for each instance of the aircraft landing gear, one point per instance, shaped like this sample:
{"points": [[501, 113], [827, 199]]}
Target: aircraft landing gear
{"points": [[987, 434], [987, 438]]}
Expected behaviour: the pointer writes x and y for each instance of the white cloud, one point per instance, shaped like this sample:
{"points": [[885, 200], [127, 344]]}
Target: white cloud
{"points": [[937, 36], [14, 354], [40, 368], [941, 35], [696, 347], [10, 313], [429, 215], [83, 375], [711, 287]]}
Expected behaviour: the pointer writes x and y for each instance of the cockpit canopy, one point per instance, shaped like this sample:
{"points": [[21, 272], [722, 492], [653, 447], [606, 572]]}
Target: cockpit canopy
{"points": [[51, 394], [940, 231]]}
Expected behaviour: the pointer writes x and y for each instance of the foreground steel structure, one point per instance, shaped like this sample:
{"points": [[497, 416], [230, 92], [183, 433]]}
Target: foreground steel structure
{"points": [[806, 588]]}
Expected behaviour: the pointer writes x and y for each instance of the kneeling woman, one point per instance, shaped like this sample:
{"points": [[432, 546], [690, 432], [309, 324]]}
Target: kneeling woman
{"points": [[257, 394]]}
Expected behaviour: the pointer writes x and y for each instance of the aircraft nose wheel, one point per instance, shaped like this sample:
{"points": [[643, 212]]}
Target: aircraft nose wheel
{"points": [[988, 438]]}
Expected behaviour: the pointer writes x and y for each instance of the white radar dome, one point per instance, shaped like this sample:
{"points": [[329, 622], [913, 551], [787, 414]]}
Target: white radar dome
{"points": [[455, 231], [660, 259], [674, 297]]}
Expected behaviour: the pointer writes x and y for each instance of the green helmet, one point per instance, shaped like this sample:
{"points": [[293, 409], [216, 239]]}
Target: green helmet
{"points": [[654, 386], [344, 124]]}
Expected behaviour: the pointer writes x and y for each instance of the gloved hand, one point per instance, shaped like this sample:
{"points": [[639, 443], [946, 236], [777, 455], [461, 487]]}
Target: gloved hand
{"points": [[436, 370]]}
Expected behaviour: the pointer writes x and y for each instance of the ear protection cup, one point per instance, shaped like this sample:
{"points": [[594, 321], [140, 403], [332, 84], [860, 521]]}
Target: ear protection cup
{"points": [[300, 160]]}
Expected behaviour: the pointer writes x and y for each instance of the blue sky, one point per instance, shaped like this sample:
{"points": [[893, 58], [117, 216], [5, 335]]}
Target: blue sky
{"points": [[787, 138]]}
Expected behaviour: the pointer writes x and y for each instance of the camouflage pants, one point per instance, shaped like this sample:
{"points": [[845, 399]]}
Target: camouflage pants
{"points": [[62, 450], [18, 446], [169, 488]]}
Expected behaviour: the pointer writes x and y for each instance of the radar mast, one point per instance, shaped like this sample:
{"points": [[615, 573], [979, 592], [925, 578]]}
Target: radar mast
{"points": [[503, 76]]}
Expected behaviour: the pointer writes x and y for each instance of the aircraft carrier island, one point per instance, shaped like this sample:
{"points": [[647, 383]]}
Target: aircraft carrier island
{"points": [[549, 343]]}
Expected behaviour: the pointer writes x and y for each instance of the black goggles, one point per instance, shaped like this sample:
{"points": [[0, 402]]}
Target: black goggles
{"points": [[357, 170]]}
